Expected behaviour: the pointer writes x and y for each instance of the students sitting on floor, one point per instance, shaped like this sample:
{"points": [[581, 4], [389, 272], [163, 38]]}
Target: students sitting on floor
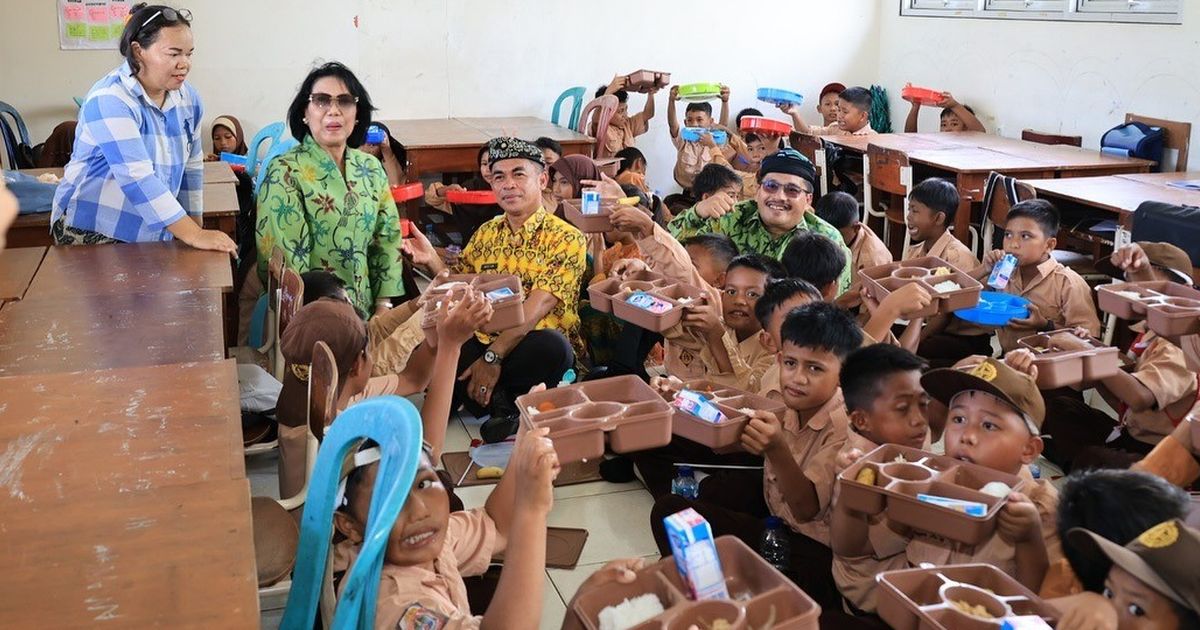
{"points": [[798, 449], [780, 298], [867, 250], [1058, 296], [1150, 400], [954, 117], [932, 205], [887, 405], [624, 129], [694, 156], [853, 116]]}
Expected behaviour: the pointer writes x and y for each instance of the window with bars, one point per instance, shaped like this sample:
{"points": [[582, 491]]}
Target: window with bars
{"points": [[1147, 11]]}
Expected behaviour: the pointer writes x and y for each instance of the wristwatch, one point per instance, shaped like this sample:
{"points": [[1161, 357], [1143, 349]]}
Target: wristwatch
{"points": [[491, 358]]}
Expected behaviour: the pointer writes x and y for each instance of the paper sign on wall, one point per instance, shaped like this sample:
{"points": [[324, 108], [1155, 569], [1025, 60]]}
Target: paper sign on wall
{"points": [[91, 24]]}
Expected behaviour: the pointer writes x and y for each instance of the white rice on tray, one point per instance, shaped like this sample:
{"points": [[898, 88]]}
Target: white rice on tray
{"points": [[630, 612]]}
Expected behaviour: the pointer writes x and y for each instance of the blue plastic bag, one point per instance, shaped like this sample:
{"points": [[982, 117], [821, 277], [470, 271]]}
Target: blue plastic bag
{"points": [[32, 196]]}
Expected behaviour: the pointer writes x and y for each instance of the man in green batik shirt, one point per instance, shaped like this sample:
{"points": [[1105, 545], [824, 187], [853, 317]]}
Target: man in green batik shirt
{"points": [[766, 224]]}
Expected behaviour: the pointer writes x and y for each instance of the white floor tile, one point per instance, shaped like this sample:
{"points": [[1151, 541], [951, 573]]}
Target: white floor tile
{"points": [[594, 488], [553, 608], [618, 524], [262, 471]]}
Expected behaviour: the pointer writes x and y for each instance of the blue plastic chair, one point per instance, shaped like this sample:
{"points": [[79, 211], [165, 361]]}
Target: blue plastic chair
{"points": [[272, 132], [576, 93], [395, 425]]}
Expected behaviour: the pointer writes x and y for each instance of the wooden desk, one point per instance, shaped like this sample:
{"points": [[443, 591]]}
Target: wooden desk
{"points": [[451, 145], [177, 557], [1118, 194], [115, 431], [95, 332], [219, 173], [17, 268], [130, 268]]}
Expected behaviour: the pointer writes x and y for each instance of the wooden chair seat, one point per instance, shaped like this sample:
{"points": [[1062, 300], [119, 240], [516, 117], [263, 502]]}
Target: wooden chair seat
{"points": [[1040, 137], [256, 428], [276, 538]]}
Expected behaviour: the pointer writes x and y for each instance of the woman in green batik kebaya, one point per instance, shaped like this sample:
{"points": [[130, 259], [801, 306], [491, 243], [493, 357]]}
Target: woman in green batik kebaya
{"points": [[326, 205]]}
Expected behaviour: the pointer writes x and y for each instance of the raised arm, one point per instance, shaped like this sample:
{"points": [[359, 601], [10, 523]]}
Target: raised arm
{"points": [[672, 115]]}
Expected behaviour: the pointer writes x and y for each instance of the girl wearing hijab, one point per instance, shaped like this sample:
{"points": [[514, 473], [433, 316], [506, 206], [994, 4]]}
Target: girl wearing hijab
{"points": [[227, 137]]}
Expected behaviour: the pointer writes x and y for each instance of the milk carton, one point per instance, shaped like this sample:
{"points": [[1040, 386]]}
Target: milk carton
{"points": [[695, 554]]}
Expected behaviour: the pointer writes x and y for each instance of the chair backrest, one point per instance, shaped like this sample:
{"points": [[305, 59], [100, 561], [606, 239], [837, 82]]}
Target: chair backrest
{"points": [[291, 297], [576, 94], [1031, 135], [271, 134], [274, 273], [1000, 194], [887, 170], [395, 425], [605, 107], [807, 145], [1179, 136], [22, 131], [322, 389]]}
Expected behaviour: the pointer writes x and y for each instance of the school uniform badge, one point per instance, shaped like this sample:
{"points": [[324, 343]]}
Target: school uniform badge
{"points": [[418, 617]]}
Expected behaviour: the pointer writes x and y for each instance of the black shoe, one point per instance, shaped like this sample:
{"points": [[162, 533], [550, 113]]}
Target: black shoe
{"points": [[617, 469], [499, 428]]}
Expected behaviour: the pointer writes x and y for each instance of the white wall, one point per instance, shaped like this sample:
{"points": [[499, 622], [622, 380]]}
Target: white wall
{"points": [[1071, 78], [436, 58]]}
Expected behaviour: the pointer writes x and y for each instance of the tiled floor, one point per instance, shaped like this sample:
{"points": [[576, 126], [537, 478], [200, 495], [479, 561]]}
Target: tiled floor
{"points": [[589, 506]]}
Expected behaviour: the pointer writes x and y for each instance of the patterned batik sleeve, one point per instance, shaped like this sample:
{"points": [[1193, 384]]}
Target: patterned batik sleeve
{"points": [[689, 224], [281, 218], [563, 274]]}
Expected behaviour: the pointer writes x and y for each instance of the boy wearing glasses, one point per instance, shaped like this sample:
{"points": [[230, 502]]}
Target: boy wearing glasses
{"points": [[766, 224]]}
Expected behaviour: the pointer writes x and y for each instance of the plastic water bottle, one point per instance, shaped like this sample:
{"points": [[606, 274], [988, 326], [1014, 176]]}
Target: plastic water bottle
{"points": [[775, 547], [684, 484]]}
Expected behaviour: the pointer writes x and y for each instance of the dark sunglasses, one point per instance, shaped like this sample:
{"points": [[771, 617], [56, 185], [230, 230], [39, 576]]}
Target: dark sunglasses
{"points": [[324, 101], [790, 191], [168, 15]]}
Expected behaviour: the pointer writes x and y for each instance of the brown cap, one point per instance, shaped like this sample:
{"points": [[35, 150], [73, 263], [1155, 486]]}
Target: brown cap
{"points": [[330, 320], [1164, 557], [994, 377], [1162, 255]]}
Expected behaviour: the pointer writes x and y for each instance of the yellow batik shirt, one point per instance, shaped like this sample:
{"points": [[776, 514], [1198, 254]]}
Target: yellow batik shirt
{"points": [[546, 253]]}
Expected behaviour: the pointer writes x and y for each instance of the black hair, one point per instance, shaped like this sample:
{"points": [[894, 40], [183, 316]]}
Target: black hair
{"points": [[355, 477], [760, 263], [838, 209], [145, 36], [698, 107], [780, 291], [398, 149], [622, 95], [362, 113], [628, 156], [547, 143], [937, 194], [751, 137], [720, 247], [1040, 211], [859, 97], [749, 111], [822, 325], [946, 111], [319, 283], [814, 257], [865, 369], [714, 177], [1117, 505]]}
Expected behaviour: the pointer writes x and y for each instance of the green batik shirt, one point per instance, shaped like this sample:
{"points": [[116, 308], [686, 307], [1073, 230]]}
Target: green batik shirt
{"points": [[348, 226], [745, 228]]}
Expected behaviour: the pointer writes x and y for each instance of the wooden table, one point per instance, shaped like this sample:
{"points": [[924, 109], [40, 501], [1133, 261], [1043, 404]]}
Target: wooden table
{"points": [[95, 332], [220, 207], [451, 145], [968, 157], [17, 268], [130, 268], [175, 557], [1119, 194], [117, 431]]}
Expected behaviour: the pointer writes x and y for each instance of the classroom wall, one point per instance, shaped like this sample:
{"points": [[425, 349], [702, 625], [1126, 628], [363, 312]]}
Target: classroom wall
{"points": [[1060, 77], [437, 58]]}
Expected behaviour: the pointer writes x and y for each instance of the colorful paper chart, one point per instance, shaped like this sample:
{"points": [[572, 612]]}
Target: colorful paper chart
{"points": [[91, 24]]}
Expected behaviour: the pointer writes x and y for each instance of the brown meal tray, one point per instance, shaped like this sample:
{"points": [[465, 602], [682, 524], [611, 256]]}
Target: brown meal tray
{"points": [[921, 598], [601, 294], [759, 594], [1169, 308], [590, 223], [1063, 368], [730, 400], [643, 80], [633, 415], [881, 280], [897, 484], [507, 312]]}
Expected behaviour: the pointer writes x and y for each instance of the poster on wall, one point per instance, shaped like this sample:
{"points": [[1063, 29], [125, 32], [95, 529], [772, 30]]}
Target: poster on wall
{"points": [[91, 24]]}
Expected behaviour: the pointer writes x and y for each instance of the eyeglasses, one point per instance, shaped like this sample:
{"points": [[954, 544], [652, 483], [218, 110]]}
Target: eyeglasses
{"points": [[323, 101], [791, 191], [170, 15]]}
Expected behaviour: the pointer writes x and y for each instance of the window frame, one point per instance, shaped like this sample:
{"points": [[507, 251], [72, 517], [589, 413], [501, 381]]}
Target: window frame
{"points": [[1102, 11]]}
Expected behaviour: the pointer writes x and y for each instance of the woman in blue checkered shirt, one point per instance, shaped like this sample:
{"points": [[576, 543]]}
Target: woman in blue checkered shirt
{"points": [[136, 172]]}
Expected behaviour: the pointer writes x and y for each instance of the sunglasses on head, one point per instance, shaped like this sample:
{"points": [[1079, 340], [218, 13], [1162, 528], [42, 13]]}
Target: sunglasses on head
{"points": [[324, 101], [169, 15], [791, 191]]}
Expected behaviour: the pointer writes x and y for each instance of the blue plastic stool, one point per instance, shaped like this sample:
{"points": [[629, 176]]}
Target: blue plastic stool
{"points": [[576, 93], [395, 425], [272, 132]]}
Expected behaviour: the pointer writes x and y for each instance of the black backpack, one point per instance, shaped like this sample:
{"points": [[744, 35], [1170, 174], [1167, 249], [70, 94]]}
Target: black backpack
{"points": [[1158, 222], [1135, 140]]}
